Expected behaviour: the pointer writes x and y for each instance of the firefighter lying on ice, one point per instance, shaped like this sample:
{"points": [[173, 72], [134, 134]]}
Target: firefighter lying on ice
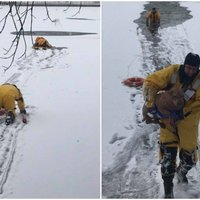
{"points": [[41, 42]]}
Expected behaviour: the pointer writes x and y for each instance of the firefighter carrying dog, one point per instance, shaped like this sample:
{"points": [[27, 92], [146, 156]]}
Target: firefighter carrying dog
{"points": [[8, 95], [184, 137]]}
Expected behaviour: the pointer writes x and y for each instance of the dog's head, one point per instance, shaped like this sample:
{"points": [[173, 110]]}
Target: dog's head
{"points": [[177, 98], [172, 99]]}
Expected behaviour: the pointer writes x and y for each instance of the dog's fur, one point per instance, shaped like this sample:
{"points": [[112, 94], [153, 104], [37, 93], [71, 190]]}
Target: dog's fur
{"points": [[168, 101], [171, 100]]}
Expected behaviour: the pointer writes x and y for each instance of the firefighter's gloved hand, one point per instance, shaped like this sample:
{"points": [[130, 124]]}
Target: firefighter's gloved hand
{"points": [[10, 118], [23, 112], [2, 111], [146, 117]]}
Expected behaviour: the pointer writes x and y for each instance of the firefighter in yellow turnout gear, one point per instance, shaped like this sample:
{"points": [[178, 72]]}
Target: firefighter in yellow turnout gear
{"points": [[41, 42], [8, 95], [183, 138], [153, 20]]}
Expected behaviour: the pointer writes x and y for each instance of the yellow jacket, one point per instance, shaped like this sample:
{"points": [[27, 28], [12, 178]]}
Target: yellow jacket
{"points": [[8, 95], [188, 127], [153, 18], [41, 42], [161, 79]]}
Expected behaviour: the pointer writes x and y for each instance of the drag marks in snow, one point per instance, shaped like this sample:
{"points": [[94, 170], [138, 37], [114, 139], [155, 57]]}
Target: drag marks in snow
{"points": [[20, 74], [14, 78], [8, 144], [44, 59]]}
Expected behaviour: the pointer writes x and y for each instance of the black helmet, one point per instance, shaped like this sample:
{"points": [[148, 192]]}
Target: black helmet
{"points": [[192, 59], [153, 9]]}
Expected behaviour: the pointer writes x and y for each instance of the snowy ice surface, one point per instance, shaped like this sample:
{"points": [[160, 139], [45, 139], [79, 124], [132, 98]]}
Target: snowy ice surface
{"points": [[130, 149], [57, 154]]}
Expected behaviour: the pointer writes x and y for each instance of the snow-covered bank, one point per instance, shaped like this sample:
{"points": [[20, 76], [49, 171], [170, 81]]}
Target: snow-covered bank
{"points": [[120, 58]]}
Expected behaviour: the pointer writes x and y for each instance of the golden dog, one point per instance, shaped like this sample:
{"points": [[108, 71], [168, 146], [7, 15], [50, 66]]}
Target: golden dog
{"points": [[171, 100], [167, 102]]}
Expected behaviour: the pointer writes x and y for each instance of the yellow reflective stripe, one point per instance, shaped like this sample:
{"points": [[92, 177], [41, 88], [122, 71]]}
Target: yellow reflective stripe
{"points": [[173, 78], [189, 93], [196, 84]]}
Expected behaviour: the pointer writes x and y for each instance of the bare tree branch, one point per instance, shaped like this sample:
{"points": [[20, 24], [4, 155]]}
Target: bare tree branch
{"points": [[6, 17], [78, 10], [68, 6], [31, 25], [18, 14], [17, 38], [22, 24], [48, 16]]}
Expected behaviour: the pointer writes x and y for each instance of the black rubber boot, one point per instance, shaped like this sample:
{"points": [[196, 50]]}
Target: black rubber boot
{"points": [[169, 193], [168, 187], [181, 175], [10, 118], [187, 161]]}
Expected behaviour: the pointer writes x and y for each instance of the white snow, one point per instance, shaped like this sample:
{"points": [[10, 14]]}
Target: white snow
{"points": [[58, 152], [120, 58], [130, 165], [191, 25]]}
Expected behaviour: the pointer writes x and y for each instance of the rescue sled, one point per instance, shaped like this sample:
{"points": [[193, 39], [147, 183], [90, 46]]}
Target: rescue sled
{"points": [[133, 82]]}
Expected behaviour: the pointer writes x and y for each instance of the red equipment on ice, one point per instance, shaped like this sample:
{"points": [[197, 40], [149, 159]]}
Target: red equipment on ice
{"points": [[133, 82]]}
